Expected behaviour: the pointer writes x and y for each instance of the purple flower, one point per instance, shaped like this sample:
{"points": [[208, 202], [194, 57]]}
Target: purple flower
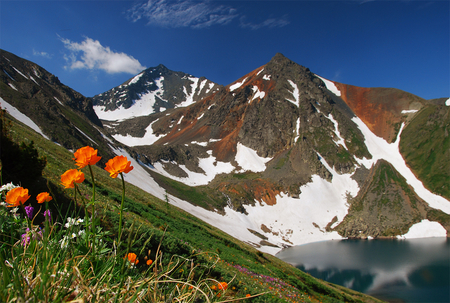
{"points": [[31, 234], [29, 210], [47, 215]]}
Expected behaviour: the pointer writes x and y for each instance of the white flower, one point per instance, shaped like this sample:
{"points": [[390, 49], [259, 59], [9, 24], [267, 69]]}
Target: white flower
{"points": [[81, 232], [14, 210], [8, 187], [64, 242], [73, 235], [78, 221]]}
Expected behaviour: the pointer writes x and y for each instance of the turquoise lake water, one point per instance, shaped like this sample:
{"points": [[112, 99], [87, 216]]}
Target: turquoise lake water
{"points": [[413, 270]]}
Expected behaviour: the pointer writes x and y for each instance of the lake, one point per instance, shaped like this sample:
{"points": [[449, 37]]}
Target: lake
{"points": [[413, 270]]}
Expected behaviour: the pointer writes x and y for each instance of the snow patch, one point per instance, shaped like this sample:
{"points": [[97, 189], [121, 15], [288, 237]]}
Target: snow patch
{"points": [[249, 160], [447, 102], [140, 107], [209, 165], [148, 139], [295, 94], [298, 130], [330, 86], [21, 117], [58, 101], [340, 140], [425, 229], [267, 77], [303, 220], [20, 73], [257, 94], [237, 85], [12, 86], [135, 79], [89, 138], [409, 111], [189, 97]]}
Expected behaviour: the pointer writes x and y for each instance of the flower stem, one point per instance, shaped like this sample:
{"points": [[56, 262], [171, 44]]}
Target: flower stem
{"points": [[93, 201], [121, 208]]}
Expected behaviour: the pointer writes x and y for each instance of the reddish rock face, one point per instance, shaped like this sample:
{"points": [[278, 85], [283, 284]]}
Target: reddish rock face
{"points": [[379, 108], [260, 190]]}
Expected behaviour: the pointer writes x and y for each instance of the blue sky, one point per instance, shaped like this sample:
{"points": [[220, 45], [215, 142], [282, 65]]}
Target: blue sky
{"points": [[93, 46]]}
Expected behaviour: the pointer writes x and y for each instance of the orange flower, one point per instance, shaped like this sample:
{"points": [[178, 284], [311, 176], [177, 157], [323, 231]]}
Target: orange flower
{"points": [[43, 197], [132, 258], [71, 176], [117, 165], [222, 285], [149, 262], [86, 156], [213, 287], [248, 295], [17, 196]]}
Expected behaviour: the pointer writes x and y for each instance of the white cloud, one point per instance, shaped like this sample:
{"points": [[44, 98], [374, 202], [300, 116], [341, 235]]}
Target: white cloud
{"points": [[184, 13], [270, 23], [42, 54], [90, 54], [190, 13]]}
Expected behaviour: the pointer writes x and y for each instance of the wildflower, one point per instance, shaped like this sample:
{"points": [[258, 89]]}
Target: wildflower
{"points": [[31, 234], [43, 197], [71, 176], [17, 196], [64, 242], [117, 165], [248, 295], [47, 214], [132, 258], [222, 285], [82, 232], [86, 156], [29, 210], [7, 187]]}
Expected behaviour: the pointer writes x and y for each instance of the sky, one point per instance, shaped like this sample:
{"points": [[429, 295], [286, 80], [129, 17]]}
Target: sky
{"points": [[95, 45]]}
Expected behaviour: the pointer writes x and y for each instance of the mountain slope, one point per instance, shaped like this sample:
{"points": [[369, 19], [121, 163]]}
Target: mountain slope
{"points": [[62, 114], [288, 153], [276, 158]]}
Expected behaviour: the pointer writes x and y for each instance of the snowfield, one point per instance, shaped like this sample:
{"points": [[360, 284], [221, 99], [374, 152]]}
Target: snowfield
{"points": [[21, 117], [140, 107]]}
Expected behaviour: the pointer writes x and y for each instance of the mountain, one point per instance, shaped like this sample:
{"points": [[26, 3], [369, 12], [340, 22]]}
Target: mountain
{"points": [[279, 157], [60, 113]]}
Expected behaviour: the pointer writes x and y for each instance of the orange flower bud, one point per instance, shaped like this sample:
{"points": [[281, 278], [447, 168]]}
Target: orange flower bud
{"points": [[43, 197], [86, 156], [17, 196], [71, 176], [117, 165], [222, 285], [149, 262], [132, 258]]}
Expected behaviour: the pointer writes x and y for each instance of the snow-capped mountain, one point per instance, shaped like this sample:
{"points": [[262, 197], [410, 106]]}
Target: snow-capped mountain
{"points": [[281, 156]]}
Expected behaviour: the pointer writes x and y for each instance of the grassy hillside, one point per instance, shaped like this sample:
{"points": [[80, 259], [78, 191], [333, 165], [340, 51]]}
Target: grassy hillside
{"points": [[188, 252], [425, 145]]}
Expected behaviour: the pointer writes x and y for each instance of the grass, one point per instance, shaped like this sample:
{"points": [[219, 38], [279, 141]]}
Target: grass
{"points": [[425, 145], [189, 256]]}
